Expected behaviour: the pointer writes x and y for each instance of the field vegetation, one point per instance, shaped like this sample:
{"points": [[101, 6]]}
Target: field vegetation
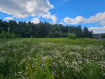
{"points": [[52, 58]]}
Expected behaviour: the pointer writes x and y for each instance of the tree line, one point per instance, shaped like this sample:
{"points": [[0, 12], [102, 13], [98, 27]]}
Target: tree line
{"points": [[42, 29]]}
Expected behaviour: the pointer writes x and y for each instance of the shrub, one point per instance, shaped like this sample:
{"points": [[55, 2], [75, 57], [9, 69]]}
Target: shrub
{"points": [[37, 72], [63, 34], [103, 36], [72, 36], [13, 35], [19, 35], [4, 34], [31, 37], [104, 43], [7, 35]]}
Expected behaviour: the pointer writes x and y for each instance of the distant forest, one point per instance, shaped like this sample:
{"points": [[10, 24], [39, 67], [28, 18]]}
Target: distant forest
{"points": [[43, 30]]}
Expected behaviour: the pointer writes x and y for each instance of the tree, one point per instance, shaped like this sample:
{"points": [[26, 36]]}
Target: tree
{"points": [[79, 31], [91, 34], [85, 32], [70, 29], [56, 34], [63, 35], [12, 26], [0, 25], [41, 30]]}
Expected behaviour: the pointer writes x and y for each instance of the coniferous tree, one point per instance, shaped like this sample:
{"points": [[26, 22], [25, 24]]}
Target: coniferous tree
{"points": [[41, 30]]}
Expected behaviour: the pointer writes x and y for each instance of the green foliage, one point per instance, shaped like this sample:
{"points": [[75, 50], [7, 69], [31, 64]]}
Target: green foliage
{"points": [[19, 35], [31, 37], [2, 76], [37, 72], [104, 43], [7, 35], [57, 34], [103, 36], [51, 35], [52, 58], [4, 34], [72, 36], [13, 35], [42, 30], [87, 33], [63, 35]]}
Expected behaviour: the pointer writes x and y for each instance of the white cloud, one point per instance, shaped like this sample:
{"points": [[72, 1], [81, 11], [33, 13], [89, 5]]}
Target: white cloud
{"points": [[99, 17], [98, 29], [35, 20], [77, 20], [8, 18], [61, 23], [50, 22], [62, 20], [25, 8], [54, 19], [49, 16]]}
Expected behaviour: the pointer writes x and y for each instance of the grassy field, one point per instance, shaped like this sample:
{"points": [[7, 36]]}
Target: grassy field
{"points": [[52, 58]]}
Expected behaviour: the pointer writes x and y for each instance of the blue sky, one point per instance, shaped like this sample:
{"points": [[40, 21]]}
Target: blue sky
{"points": [[89, 13]]}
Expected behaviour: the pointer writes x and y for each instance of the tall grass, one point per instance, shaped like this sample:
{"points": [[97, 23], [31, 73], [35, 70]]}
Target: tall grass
{"points": [[52, 58]]}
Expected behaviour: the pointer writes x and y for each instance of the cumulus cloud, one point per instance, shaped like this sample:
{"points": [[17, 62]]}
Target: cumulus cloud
{"points": [[50, 22], [25, 8], [98, 29], [77, 20], [61, 23], [8, 18], [35, 20], [99, 17], [49, 16]]}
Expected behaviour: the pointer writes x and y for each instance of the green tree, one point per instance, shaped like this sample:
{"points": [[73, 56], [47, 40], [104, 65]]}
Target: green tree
{"points": [[0, 25], [12, 26], [40, 30], [79, 31], [85, 32], [56, 34], [70, 29]]}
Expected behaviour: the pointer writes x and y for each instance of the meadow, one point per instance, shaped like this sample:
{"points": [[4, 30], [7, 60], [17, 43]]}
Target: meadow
{"points": [[52, 58]]}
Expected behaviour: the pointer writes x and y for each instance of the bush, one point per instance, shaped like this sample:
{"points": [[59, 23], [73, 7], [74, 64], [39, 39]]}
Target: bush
{"points": [[63, 34], [72, 36], [103, 36], [19, 35], [31, 37], [104, 43], [13, 35], [7, 35], [4, 34]]}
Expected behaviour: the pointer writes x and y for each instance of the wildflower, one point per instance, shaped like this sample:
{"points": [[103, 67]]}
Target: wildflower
{"points": [[19, 72], [90, 72]]}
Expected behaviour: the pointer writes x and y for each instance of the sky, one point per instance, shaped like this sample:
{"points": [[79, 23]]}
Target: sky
{"points": [[89, 13]]}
